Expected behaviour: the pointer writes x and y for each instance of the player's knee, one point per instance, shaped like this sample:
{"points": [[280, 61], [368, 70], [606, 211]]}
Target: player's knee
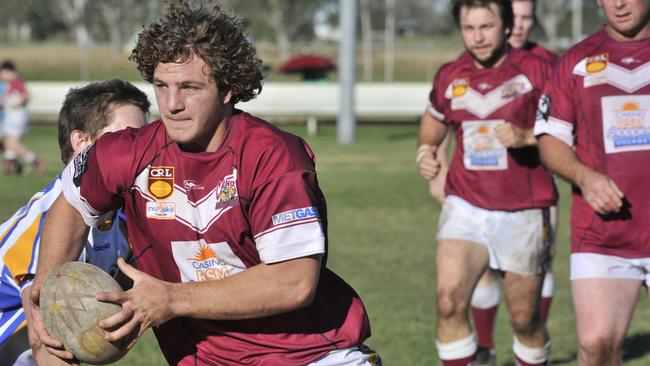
{"points": [[450, 304], [525, 322], [598, 347]]}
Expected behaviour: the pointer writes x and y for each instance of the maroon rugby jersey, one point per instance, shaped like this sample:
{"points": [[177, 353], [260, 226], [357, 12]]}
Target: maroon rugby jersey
{"points": [[598, 102], [482, 170], [206, 216]]}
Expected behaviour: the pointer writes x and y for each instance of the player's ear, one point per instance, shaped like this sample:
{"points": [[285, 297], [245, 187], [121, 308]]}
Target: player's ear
{"points": [[227, 97], [79, 140]]}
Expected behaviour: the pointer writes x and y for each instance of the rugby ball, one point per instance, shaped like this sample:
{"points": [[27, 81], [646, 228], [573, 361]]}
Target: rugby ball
{"points": [[71, 313]]}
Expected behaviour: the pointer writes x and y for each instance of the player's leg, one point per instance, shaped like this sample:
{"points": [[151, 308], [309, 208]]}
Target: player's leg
{"points": [[605, 290], [485, 306], [531, 340], [601, 318], [522, 245], [459, 264], [461, 258], [15, 127]]}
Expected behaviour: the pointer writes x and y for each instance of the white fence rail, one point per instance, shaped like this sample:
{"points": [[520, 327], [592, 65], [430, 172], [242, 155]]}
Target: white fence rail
{"points": [[394, 102]]}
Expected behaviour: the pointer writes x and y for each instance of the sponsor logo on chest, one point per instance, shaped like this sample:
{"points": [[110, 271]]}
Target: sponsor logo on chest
{"points": [[161, 181], [161, 210], [626, 123], [199, 261]]}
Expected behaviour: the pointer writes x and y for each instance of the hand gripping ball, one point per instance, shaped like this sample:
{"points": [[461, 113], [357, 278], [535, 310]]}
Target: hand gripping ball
{"points": [[71, 313]]}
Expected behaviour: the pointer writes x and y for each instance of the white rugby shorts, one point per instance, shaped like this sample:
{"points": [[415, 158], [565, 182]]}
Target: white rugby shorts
{"points": [[593, 265], [354, 356], [15, 123], [518, 241]]}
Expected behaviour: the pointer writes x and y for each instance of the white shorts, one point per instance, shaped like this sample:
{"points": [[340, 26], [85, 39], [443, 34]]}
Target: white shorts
{"points": [[15, 123], [592, 265], [518, 241], [354, 356]]}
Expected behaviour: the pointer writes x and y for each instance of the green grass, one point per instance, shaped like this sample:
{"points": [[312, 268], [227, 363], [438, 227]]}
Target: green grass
{"points": [[382, 227]]}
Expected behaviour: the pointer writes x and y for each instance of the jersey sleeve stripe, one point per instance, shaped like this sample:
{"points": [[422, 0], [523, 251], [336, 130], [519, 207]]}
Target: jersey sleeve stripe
{"points": [[72, 194], [555, 127], [300, 240], [433, 112]]}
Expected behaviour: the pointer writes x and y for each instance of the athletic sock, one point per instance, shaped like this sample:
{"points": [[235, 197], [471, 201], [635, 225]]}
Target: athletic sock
{"points": [[485, 306], [458, 353], [528, 356], [548, 289], [30, 157]]}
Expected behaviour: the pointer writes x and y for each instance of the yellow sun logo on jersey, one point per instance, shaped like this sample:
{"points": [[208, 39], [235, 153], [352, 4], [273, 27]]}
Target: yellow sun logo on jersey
{"points": [[203, 253]]}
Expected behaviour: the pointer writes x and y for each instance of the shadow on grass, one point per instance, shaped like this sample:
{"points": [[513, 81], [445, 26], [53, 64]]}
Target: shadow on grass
{"points": [[569, 360], [636, 346]]}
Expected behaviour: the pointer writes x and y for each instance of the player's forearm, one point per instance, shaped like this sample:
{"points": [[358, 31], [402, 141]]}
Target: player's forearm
{"points": [[562, 160], [260, 291], [62, 239], [432, 131]]}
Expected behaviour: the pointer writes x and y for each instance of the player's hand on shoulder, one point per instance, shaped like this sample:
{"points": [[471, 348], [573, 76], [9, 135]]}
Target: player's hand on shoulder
{"points": [[600, 192], [145, 305], [428, 166]]}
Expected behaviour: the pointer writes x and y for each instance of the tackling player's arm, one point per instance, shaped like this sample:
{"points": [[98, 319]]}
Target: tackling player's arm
{"points": [[62, 239], [600, 192], [432, 133]]}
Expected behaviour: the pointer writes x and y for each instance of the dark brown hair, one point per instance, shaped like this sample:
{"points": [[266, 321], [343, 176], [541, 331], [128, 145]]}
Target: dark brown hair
{"points": [[89, 108], [505, 10], [219, 39]]}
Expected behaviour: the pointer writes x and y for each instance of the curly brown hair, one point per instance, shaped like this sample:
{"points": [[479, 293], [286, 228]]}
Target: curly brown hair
{"points": [[219, 39]]}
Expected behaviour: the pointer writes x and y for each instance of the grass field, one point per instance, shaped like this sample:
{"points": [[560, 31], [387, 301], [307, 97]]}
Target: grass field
{"points": [[382, 225]]}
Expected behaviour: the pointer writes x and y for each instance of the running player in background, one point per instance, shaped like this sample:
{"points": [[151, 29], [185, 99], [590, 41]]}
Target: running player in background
{"points": [[14, 101], [525, 21], [87, 113], [486, 297], [594, 131], [496, 213]]}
